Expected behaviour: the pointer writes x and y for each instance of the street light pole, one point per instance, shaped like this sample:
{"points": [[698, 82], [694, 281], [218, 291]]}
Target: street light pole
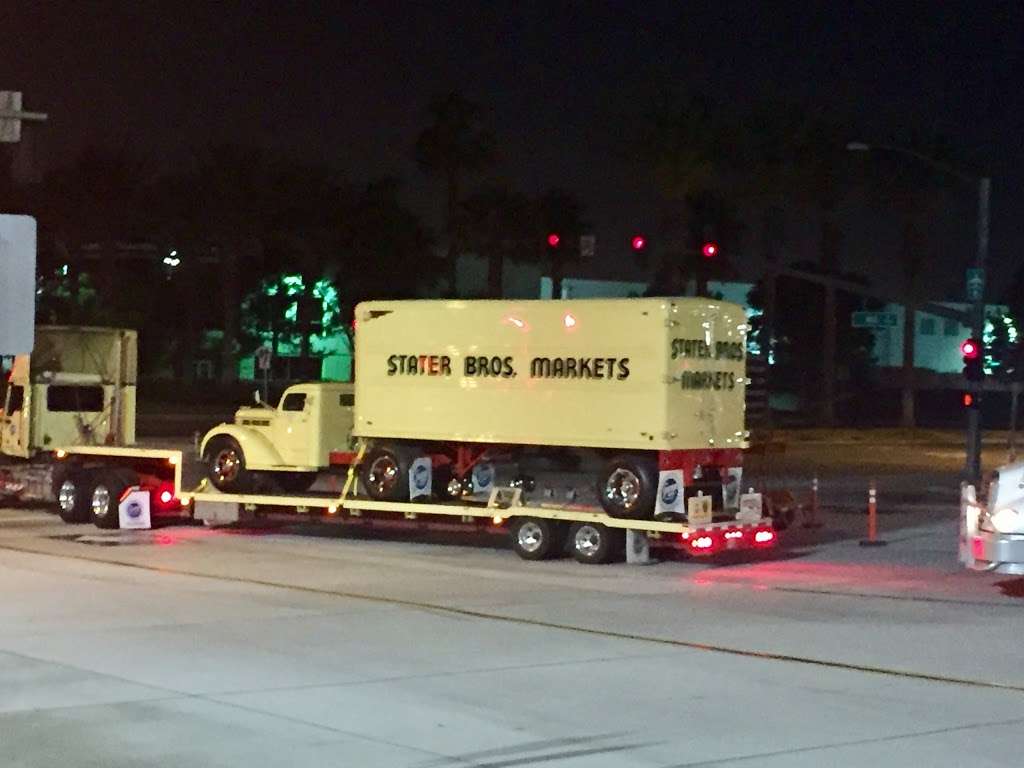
{"points": [[972, 466]]}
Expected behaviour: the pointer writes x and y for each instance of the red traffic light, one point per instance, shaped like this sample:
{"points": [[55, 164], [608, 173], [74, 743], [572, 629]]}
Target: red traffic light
{"points": [[554, 240], [968, 399], [639, 242], [969, 348], [710, 250]]}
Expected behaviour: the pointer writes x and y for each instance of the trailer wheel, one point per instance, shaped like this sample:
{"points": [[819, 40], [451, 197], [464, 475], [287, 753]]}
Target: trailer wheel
{"points": [[535, 538], [106, 497], [596, 544], [385, 472], [225, 465], [71, 504], [627, 487]]}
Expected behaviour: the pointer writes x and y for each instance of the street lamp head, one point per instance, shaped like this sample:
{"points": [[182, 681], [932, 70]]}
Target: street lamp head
{"points": [[858, 146]]}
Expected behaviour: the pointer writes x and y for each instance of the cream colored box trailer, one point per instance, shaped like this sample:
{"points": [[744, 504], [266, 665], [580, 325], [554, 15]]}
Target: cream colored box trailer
{"points": [[656, 386], [648, 374]]}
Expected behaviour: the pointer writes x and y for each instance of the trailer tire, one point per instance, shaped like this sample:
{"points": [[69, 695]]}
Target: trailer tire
{"points": [[627, 487], [536, 538], [596, 544], [72, 506], [225, 465], [384, 472], [105, 497]]}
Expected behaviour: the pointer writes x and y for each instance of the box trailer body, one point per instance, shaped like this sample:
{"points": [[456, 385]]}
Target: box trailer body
{"points": [[635, 374]]}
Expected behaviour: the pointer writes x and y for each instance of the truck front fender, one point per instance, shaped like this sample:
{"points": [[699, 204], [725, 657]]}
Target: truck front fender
{"points": [[259, 451]]}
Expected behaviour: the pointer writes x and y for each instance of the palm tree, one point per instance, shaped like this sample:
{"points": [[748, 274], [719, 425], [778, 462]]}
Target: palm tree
{"points": [[455, 145]]}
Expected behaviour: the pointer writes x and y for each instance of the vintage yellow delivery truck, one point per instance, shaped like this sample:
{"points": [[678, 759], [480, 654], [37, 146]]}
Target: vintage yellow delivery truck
{"points": [[648, 394]]}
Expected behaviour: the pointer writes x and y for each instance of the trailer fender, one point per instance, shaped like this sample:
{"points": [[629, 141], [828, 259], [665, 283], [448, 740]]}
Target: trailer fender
{"points": [[259, 451]]}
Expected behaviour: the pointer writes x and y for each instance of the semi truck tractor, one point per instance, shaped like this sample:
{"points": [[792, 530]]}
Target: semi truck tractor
{"points": [[67, 426]]}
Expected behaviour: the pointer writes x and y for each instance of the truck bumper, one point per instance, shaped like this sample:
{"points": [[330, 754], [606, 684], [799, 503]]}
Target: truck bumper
{"points": [[997, 552]]}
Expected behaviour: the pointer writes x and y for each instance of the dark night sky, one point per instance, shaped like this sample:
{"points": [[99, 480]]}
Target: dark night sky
{"points": [[347, 82]]}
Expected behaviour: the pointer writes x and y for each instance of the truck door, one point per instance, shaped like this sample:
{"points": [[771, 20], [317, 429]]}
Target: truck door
{"points": [[14, 426], [293, 436]]}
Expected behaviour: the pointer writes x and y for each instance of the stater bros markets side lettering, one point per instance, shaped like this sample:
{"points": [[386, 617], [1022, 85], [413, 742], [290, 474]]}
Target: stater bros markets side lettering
{"points": [[475, 366]]}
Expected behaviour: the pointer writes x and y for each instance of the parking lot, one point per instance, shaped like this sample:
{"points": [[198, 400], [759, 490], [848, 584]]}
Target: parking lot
{"points": [[313, 645]]}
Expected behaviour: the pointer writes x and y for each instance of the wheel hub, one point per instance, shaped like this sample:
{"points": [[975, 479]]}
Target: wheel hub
{"points": [[623, 488], [530, 537], [587, 540], [225, 465], [66, 496], [383, 474], [101, 501]]}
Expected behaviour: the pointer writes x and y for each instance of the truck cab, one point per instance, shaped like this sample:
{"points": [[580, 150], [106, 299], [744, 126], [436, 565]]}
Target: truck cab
{"points": [[288, 444], [77, 388]]}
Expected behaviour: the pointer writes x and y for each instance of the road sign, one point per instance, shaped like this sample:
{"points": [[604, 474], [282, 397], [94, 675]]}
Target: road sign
{"points": [[12, 115], [263, 356], [588, 244], [975, 283], [873, 320], [18, 284]]}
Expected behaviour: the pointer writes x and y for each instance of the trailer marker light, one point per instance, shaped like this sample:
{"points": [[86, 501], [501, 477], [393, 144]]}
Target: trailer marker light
{"points": [[703, 542], [498, 519], [172, 460], [734, 534], [517, 322], [332, 509], [62, 454], [569, 320], [166, 496]]}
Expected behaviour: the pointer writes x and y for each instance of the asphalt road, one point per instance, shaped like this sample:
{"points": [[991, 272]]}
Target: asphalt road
{"points": [[314, 646]]}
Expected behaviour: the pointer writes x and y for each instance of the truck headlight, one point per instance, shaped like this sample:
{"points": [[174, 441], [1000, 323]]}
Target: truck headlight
{"points": [[1007, 520]]}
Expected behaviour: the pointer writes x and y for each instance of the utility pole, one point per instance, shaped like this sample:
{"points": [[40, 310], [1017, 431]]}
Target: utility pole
{"points": [[977, 297]]}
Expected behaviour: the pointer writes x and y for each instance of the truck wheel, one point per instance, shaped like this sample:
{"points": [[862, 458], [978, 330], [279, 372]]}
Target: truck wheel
{"points": [[596, 544], [627, 487], [294, 482], [225, 465], [535, 538], [106, 497], [385, 472], [71, 504]]}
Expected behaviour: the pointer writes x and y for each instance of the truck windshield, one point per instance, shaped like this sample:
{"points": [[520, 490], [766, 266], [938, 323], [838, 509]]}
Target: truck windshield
{"points": [[66, 398], [294, 401]]}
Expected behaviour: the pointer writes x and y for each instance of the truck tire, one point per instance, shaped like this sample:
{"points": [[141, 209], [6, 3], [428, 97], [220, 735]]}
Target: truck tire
{"points": [[72, 506], [627, 487], [535, 538], [596, 544], [384, 472], [225, 465], [105, 497]]}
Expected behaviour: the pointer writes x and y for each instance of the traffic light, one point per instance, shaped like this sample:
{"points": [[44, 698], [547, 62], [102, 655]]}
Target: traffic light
{"points": [[638, 243], [969, 400], [974, 367], [554, 241], [709, 250]]}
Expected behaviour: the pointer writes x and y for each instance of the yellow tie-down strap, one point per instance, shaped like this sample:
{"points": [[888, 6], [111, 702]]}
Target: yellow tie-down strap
{"points": [[350, 476]]}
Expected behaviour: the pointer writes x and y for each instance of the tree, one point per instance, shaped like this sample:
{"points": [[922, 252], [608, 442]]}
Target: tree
{"points": [[455, 145], [498, 224]]}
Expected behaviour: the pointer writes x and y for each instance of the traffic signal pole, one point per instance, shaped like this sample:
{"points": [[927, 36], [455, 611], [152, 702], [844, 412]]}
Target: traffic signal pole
{"points": [[973, 448]]}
